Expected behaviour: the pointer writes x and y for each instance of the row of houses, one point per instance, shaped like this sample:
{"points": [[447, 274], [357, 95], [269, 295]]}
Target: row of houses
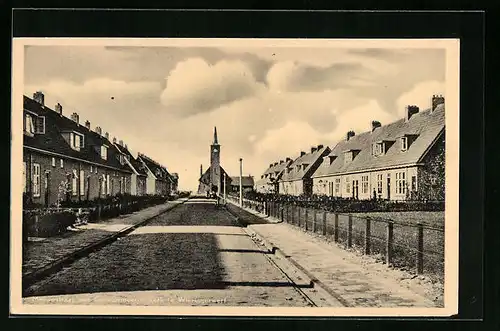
{"points": [[65, 159], [397, 161]]}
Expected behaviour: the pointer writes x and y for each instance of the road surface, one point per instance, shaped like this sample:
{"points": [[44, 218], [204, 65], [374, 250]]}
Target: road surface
{"points": [[195, 255]]}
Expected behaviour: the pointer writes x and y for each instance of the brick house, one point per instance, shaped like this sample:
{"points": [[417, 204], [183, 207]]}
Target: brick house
{"points": [[63, 159], [157, 181], [397, 161], [296, 179], [247, 183], [269, 180], [139, 172]]}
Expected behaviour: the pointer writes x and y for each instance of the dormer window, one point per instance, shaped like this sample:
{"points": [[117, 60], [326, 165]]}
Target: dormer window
{"points": [[104, 152], [350, 155], [404, 144], [378, 148], [76, 141], [33, 124], [304, 166]]}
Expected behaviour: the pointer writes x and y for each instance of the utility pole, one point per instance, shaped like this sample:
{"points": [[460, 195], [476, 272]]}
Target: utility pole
{"points": [[241, 185]]}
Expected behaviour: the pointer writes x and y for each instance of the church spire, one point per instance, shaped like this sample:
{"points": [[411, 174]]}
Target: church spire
{"points": [[215, 136]]}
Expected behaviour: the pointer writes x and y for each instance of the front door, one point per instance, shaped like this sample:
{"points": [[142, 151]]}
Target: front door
{"points": [[355, 189], [388, 186], [47, 189]]}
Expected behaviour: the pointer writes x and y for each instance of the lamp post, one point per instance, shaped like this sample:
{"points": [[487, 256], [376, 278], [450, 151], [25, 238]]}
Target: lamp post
{"points": [[241, 186], [224, 188]]}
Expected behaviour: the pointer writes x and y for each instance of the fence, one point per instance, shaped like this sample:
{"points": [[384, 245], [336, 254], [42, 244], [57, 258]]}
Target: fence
{"points": [[403, 245]]}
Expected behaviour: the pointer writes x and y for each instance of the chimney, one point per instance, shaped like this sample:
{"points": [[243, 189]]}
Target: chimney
{"points": [[201, 170], [98, 130], [313, 149], [302, 153], [320, 147], [281, 161], [275, 163], [437, 100], [39, 97], [375, 124], [87, 125], [120, 142], [58, 108], [350, 134], [288, 159], [410, 111], [75, 117], [271, 165], [106, 135], [125, 145], [114, 140]]}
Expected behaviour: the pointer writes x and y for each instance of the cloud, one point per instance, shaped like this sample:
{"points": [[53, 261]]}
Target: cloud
{"points": [[420, 95], [194, 86]]}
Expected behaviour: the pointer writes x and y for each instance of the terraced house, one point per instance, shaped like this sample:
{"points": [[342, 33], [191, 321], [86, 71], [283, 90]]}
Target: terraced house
{"points": [[296, 179], [269, 180], [398, 161], [158, 179], [66, 160]]}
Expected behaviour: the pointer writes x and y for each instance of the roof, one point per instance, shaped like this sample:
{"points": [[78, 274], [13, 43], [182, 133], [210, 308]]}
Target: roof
{"points": [[245, 181], [277, 168], [426, 126], [158, 170], [136, 164], [52, 140], [205, 178], [310, 159]]}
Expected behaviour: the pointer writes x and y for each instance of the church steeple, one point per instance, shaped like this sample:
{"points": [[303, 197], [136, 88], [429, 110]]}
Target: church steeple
{"points": [[216, 142]]}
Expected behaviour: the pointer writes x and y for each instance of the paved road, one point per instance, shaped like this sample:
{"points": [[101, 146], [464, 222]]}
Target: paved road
{"points": [[194, 254]]}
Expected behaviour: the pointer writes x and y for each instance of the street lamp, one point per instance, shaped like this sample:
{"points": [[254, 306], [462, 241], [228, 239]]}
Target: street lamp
{"points": [[241, 186]]}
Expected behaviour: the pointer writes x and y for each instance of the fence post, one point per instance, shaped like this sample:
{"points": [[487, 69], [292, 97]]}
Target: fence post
{"points": [[367, 235], [324, 223], [389, 243], [349, 231], [36, 225], [420, 248], [314, 220], [282, 212], [306, 214], [336, 228], [99, 212]]}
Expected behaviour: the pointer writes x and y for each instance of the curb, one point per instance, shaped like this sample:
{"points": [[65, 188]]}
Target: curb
{"points": [[314, 281], [269, 219], [34, 276]]}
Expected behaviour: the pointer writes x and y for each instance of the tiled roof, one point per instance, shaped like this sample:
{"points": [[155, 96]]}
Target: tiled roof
{"points": [[155, 167], [245, 180], [425, 125], [311, 159], [277, 167], [138, 166], [53, 141]]}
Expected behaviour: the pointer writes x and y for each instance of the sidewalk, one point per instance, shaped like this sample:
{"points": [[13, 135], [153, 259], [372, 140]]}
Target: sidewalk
{"points": [[39, 254], [357, 279]]}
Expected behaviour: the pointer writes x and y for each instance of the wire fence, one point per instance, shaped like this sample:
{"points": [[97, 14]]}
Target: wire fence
{"points": [[412, 246]]}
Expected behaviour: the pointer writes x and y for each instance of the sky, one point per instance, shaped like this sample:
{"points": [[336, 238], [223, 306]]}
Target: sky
{"points": [[268, 103]]}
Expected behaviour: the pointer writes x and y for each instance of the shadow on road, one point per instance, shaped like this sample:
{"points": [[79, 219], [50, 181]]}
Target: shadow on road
{"points": [[158, 261]]}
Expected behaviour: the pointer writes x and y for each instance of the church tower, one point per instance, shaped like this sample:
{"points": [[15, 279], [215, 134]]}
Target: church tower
{"points": [[215, 172]]}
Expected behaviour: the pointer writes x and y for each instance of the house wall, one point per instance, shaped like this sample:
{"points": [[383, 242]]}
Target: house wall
{"points": [[431, 185], [327, 185], [295, 187], [150, 184], [133, 184], [51, 187], [141, 185]]}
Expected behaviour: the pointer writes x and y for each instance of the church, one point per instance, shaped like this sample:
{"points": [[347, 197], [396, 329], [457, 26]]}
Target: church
{"points": [[212, 180]]}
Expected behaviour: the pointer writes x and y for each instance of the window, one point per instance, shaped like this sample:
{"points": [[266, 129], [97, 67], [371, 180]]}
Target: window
{"points": [[347, 185], [82, 182], [414, 183], [337, 186], [347, 157], [24, 177], [404, 143], [380, 178], [400, 183], [364, 184], [91, 169], [103, 184], [36, 180], [40, 125], [29, 127], [74, 183], [62, 163], [53, 161], [104, 152]]}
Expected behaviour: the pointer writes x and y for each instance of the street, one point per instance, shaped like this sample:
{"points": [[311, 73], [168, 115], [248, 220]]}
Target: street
{"points": [[196, 254]]}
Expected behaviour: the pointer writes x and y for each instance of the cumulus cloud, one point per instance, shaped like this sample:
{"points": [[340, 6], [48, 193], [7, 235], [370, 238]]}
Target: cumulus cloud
{"points": [[420, 95], [194, 86]]}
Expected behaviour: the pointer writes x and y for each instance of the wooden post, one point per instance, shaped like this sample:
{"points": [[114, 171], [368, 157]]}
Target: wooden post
{"points": [[367, 235], [349, 231], [314, 220], [306, 212], [389, 242], [324, 223], [420, 248], [336, 228]]}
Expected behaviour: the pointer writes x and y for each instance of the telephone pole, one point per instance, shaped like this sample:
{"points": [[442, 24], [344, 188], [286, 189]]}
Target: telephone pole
{"points": [[241, 185]]}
